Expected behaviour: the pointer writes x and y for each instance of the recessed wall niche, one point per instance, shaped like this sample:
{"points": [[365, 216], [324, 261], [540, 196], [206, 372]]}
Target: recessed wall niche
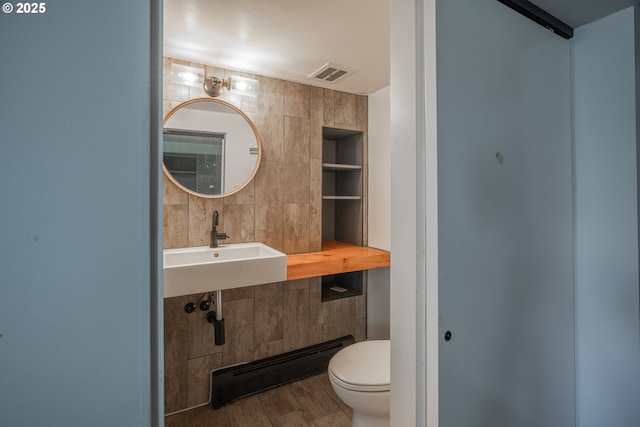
{"points": [[342, 185]]}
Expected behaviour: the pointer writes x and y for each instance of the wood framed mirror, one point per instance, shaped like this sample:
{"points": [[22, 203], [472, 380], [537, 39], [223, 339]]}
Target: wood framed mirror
{"points": [[210, 148]]}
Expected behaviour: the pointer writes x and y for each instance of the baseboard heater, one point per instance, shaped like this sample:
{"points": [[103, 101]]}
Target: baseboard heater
{"points": [[229, 384]]}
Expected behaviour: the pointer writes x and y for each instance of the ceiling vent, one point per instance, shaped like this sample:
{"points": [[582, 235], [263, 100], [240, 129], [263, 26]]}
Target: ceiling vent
{"points": [[330, 73]]}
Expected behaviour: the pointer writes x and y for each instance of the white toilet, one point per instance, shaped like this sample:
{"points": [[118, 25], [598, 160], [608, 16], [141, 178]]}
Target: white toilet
{"points": [[360, 376]]}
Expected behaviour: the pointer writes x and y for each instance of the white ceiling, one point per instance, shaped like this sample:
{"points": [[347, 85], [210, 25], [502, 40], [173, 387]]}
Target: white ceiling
{"points": [[288, 39], [291, 39]]}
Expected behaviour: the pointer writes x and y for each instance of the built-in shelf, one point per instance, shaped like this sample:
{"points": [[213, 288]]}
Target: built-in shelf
{"points": [[342, 185], [339, 167], [341, 197], [343, 285], [342, 264], [335, 258]]}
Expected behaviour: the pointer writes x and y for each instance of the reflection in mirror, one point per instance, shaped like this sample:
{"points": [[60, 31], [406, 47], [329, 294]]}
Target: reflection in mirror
{"points": [[211, 148]]}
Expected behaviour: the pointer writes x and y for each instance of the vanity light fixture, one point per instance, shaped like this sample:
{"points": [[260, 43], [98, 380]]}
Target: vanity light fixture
{"points": [[234, 84], [189, 76]]}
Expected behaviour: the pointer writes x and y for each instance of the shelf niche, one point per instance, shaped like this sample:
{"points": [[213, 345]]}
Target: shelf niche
{"points": [[342, 285], [342, 185], [342, 212]]}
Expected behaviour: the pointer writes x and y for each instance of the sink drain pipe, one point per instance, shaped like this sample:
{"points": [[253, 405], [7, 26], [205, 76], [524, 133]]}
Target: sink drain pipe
{"points": [[215, 318]]}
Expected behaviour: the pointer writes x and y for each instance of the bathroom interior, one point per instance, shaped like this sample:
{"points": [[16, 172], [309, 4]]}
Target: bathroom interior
{"points": [[282, 206], [311, 181], [504, 176], [498, 173]]}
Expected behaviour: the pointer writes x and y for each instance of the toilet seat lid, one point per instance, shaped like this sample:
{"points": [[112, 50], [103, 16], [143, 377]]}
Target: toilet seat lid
{"points": [[363, 366]]}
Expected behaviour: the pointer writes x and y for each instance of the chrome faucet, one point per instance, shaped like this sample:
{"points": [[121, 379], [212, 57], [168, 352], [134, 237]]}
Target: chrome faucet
{"points": [[215, 236]]}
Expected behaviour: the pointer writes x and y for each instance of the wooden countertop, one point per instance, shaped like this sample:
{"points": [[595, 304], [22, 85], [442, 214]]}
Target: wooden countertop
{"points": [[335, 257]]}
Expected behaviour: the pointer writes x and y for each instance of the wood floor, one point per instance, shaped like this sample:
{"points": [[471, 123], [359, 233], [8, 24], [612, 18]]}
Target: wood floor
{"points": [[308, 402]]}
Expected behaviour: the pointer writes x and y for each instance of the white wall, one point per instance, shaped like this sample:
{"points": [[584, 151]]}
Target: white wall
{"points": [[405, 378], [380, 169], [605, 100], [379, 134], [414, 216]]}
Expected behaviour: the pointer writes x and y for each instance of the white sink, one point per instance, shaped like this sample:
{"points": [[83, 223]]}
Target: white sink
{"points": [[203, 269]]}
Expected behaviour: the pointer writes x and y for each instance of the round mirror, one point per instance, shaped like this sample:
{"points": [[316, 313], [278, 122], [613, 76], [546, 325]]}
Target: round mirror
{"points": [[210, 148]]}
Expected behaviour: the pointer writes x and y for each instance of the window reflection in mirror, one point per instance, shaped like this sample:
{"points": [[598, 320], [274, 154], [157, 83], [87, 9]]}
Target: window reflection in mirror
{"points": [[195, 159]]}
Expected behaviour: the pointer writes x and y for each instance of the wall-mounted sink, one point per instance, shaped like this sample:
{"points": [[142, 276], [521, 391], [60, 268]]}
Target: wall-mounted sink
{"points": [[203, 269]]}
